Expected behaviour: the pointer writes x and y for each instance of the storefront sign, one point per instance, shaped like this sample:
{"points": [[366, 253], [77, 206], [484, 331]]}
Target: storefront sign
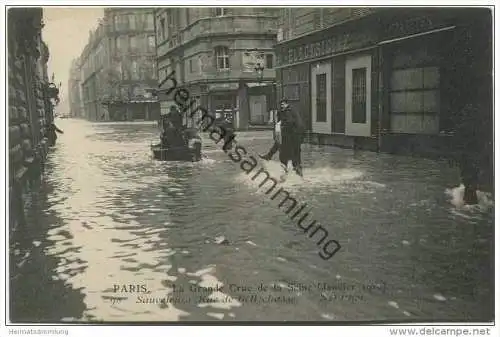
{"points": [[222, 86], [332, 45], [410, 26]]}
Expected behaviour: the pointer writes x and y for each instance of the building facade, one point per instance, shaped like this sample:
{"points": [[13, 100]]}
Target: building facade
{"points": [[29, 105], [224, 57], [74, 90], [386, 79], [118, 67]]}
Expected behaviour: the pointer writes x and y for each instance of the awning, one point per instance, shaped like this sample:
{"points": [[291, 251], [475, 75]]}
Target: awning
{"points": [[416, 35]]}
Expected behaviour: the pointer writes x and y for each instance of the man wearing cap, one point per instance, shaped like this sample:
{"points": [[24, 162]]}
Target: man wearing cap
{"points": [[292, 127]]}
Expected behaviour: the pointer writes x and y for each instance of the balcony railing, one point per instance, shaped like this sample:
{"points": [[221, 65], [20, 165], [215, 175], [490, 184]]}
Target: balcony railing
{"points": [[230, 25]]}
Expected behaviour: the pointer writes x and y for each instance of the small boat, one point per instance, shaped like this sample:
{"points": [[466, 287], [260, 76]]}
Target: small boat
{"points": [[187, 150]]}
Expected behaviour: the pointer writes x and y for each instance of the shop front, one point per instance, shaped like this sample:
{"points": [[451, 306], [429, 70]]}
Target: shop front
{"points": [[330, 79], [425, 80]]}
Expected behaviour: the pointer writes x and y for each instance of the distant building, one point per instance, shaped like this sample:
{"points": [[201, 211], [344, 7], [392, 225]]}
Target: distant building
{"points": [[388, 79], [118, 67], [74, 91], [215, 54]]}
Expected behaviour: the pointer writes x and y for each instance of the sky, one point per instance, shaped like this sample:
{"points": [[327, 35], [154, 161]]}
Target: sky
{"points": [[66, 33]]}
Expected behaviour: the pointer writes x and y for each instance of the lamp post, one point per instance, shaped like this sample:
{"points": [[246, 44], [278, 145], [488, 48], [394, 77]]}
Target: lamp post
{"points": [[260, 71]]}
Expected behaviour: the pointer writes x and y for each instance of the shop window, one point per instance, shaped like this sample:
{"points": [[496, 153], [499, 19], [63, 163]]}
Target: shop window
{"points": [[415, 89], [222, 58]]}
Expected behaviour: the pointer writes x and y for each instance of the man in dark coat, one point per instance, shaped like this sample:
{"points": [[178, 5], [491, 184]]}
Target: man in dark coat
{"points": [[292, 129], [469, 148]]}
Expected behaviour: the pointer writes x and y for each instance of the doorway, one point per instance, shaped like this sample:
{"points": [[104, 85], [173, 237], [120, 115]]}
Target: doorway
{"points": [[321, 98], [358, 96], [258, 110]]}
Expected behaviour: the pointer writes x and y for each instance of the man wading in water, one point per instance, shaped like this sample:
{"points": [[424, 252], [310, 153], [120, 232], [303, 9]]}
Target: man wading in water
{"points": [[292, 128]]}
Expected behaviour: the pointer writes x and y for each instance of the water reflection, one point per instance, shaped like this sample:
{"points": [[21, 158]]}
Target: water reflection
{"points": [[112, 223]]}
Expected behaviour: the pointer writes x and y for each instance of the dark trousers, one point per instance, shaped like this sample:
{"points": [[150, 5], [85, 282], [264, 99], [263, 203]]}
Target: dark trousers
{"points": [[469, 173], [290, 149]]}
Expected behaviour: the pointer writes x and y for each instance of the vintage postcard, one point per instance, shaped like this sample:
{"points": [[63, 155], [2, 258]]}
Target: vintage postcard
{"points": [[320, 164]]}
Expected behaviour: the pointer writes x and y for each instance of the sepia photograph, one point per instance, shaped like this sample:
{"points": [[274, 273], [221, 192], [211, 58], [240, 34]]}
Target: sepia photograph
{"points": [[252, 165]]}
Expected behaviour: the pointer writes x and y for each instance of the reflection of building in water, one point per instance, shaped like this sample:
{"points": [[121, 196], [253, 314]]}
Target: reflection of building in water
{"points": [[386, 78], [214, 53], [118, 67]]}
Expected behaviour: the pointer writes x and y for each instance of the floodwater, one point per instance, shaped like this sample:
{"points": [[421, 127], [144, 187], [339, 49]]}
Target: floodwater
{"points": [[116, 236]]}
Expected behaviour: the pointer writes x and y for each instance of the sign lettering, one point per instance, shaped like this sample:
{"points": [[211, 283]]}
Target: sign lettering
{"points": [[410, 26], [335, 44]]}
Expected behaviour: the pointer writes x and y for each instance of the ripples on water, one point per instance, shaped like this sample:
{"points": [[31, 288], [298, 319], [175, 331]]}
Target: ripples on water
{"points": [[115, 217]]}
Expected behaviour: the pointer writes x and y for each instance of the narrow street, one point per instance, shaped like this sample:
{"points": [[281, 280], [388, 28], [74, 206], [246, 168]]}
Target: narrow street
{"points": [[108, 217]]}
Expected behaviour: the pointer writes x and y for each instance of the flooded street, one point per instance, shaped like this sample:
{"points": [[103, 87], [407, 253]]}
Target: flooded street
{"points": [[116, 236]]}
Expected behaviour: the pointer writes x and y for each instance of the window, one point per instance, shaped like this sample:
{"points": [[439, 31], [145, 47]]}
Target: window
{"points": [[269, 61], [191, 68], [131, 22], [117, 22], [162, 29], [222, 58], [149, 22], [134, 70], [121, 43], [153, 69], [132, 41], [415, 90], [151, 42], [200, 64], [219, 11]]}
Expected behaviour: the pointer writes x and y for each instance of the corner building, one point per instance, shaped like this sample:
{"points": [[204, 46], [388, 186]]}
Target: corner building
{"points": [[118, 67], [214, 53], [387, 79]]}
